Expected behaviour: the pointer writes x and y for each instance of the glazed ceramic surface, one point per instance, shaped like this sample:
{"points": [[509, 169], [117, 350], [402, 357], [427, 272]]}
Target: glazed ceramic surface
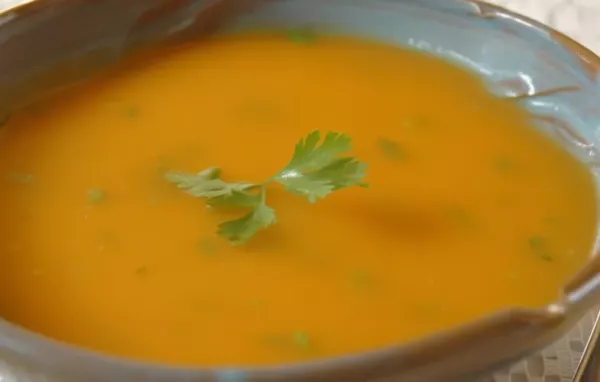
{"points": [[49, 44], [578, 19]]}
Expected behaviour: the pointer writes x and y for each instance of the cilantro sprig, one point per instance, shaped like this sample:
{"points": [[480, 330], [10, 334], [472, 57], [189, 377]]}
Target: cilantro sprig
{"points": [[317, 168]]}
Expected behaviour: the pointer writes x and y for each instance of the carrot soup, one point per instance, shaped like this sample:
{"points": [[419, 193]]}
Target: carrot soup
{"points": [[468, 210]]}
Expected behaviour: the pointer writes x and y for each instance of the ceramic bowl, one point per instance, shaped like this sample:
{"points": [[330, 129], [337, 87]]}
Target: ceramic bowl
{"points": [[49, 44]]}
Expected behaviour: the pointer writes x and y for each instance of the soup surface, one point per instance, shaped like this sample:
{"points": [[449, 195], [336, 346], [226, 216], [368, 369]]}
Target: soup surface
{"points": [[469, 209]]}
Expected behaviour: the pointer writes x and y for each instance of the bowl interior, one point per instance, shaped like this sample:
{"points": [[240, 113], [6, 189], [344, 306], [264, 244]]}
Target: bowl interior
{"points": [[554, 78], [518, 59]]}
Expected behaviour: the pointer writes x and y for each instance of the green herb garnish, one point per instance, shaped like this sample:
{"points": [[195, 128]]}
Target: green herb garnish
{"points": [[20, 177], [301, 340], [391, 149], [298, 340], [131, 112], [257, 302], [95, 195], [459, 216], [301, 36], [314, 172], [361, 279], [505, 164], [536, 242], [539, 246]]}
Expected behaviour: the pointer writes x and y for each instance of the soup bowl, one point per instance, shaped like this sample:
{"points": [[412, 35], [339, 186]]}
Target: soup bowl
{"points": [[46, 45]]}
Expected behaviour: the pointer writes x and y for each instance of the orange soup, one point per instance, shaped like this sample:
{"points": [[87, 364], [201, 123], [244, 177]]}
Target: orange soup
{"points": [[469, 209]]}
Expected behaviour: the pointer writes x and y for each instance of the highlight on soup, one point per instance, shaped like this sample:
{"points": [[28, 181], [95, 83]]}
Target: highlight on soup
{"points": [[115, 195]]}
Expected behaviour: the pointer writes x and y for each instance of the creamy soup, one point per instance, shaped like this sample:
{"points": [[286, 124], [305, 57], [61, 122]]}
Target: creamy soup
{"points": [[469, 211]]}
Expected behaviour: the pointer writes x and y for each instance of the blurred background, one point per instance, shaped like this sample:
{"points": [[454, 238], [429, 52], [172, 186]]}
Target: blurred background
{"points": [[580, 19]]}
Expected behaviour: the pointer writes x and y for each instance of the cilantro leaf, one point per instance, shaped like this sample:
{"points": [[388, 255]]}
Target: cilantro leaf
{"points": [[312, 189], [236, 198], [308, 155], [538, 246], [301, 340], [317, 169], [206, 184], [95, 195], [240, 230], [341, 173], [391, 149]]}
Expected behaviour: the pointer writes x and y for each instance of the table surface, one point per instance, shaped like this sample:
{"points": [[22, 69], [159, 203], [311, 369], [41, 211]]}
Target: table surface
{"points": [[579, 19]]}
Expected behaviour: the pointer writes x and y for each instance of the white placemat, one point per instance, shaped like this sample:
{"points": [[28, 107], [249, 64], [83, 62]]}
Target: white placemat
{"points": [[557, 363]]}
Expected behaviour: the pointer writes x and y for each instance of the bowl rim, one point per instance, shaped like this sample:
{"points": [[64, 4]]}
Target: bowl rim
{"points": [[590, 63]]}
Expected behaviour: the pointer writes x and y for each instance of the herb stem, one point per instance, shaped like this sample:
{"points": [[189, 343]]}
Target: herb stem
{"points": [[317, 169]]}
